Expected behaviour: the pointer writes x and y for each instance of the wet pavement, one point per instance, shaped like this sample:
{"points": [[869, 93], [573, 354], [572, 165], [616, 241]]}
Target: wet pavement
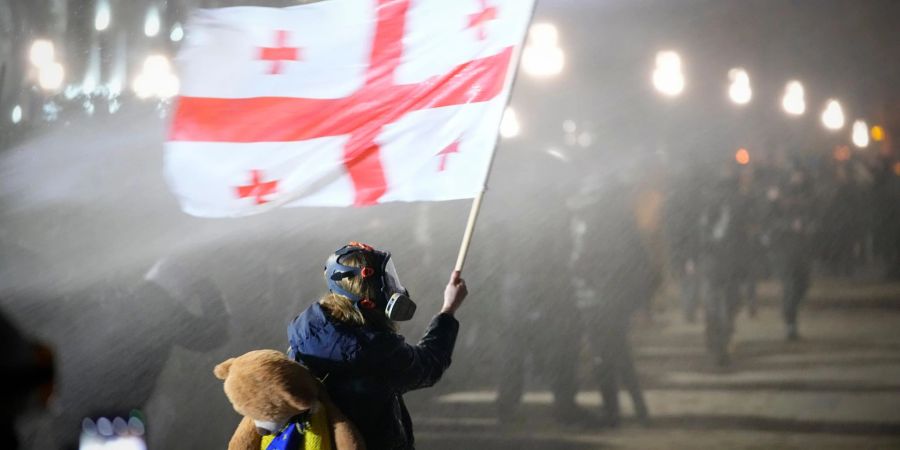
{"points": [[838, 387]]}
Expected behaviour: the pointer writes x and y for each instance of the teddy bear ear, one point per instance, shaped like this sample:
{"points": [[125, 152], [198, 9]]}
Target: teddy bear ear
{"points": [[221, 370]]}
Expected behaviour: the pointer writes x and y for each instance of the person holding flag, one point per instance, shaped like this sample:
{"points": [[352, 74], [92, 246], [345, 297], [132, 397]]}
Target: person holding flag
{"points": [[348, 339], [348, 103]]}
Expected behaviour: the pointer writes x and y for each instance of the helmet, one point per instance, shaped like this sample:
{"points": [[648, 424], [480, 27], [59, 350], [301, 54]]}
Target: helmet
{"points": [[392, 297]]}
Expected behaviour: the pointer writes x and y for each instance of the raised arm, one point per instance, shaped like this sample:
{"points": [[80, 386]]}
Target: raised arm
{"points": [[422, 365]]}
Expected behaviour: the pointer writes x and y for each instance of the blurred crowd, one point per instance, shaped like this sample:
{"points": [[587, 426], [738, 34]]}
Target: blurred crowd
{"points": [[713, 232], [779, 218]]}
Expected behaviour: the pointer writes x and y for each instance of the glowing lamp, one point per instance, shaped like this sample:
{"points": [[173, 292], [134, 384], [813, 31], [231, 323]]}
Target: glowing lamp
{"points": [[509, 126], [860, 135], [739, 91], [833, 115], [668, 77]]}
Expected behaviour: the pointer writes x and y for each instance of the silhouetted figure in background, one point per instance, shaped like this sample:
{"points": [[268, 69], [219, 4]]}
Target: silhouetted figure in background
{"points": [[538, 313], [842, 220], [618, 277], [722, 263], [886, 233], [683, 210], [26, 379], [790, 228], [752, 254]]}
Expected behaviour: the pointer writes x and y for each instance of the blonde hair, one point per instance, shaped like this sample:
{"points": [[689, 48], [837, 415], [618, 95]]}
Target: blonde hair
{"points": [[342, 309]]}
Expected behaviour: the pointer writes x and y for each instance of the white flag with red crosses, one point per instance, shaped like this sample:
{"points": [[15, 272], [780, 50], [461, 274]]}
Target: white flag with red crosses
{"points": [[340, 102]]}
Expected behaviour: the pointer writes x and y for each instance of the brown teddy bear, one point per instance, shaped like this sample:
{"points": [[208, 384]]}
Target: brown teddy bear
{"points": [[283, 405]]}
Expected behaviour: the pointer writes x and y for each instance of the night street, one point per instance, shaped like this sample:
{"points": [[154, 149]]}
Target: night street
{"points": [[838, 388], [449, 225]]}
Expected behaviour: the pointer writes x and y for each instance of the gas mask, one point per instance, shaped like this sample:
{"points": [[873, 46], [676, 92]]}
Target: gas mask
{"points": [[400, 307], [393, 298]]}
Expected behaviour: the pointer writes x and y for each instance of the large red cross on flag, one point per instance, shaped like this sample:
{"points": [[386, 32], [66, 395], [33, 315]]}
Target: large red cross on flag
{"points": [[340, 102]]}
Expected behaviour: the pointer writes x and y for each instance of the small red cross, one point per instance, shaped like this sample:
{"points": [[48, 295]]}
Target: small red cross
{"points": [[445, 153], [480, 18], [281, 52], [257, 188]]}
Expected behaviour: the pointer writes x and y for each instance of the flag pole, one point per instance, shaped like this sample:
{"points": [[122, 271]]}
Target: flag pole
{"points": [[470, 230], [476, 202]]}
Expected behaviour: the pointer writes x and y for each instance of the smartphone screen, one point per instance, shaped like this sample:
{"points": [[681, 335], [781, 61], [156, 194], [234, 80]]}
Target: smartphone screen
{"points": [[113, 433]]}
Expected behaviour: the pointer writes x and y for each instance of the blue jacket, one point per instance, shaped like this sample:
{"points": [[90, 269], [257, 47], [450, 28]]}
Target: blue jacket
{"points": [[366, 371]]}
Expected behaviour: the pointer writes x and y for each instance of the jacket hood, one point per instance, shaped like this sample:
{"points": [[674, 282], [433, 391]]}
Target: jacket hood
{"points": [[317, 340]]}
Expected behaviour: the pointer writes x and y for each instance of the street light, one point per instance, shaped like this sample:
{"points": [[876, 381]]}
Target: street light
{"points": [[877, 133], [151, 24], [542, 56], [742, 156], [509, 126], [543, 34], [739, 90], [177, 33], [16, 115], [42, 53], [156, 79], [102, 19], [667, 76], [794, 101], [860, 134], [50, 73], [833, 115], [50, 76]]}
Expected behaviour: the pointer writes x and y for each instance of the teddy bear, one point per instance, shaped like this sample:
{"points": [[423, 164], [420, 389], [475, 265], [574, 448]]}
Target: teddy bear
{"points": [[284, 406]]}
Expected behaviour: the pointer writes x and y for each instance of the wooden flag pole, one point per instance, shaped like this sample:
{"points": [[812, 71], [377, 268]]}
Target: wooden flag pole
{"points": [[476, 203], [470, 230]]}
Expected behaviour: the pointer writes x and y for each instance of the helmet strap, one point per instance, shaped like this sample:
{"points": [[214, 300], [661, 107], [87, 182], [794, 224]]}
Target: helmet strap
{"points": [[340, 271]]}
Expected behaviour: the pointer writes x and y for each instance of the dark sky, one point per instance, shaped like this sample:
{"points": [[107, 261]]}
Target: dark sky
{"points": [[848, 48]]}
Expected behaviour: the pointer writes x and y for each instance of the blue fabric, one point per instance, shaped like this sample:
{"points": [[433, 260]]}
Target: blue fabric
{"points": [[337, 346], [290, 438]]}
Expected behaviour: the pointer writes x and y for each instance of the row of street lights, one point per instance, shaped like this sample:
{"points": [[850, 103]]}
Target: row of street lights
{"points": [[668, 78], [152, 21], [543, 58], [50, 72], [156, 79]]}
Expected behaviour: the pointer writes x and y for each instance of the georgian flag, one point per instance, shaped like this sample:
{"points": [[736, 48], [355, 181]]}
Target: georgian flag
{"points": [[340, 102]]}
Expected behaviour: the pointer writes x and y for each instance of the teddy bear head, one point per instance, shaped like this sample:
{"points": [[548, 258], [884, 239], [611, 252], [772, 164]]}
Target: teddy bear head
{"points": [[268, 387]]}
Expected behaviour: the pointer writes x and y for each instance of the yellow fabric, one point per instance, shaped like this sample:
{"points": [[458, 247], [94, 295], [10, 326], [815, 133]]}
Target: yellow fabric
{"points": [[266, 440], [316, 437]]}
